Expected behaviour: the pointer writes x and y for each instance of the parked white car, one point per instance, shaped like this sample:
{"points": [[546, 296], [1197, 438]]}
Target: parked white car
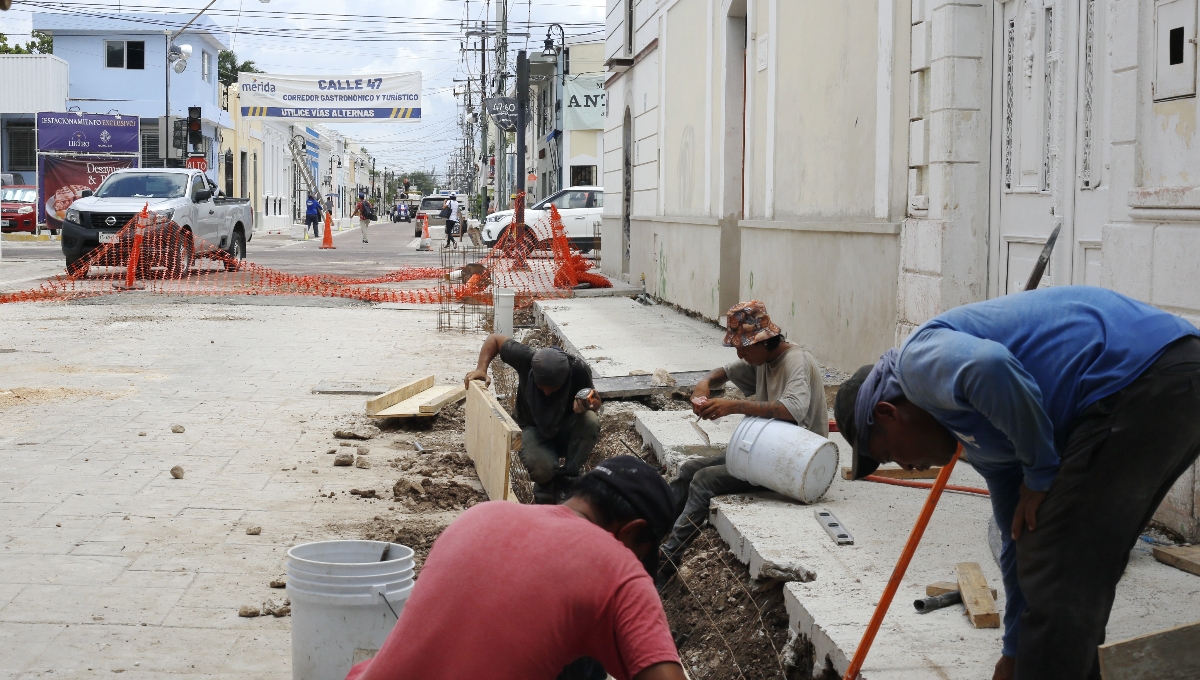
{"points": [[580, 210]]}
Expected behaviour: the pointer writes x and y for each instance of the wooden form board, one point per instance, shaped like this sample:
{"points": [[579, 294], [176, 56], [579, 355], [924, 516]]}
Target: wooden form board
{"points": [[976, 596], [424, 404], [943, 587], [398, 395], [1186, 557], [1171, 654], [897, 473], [491, 437]]}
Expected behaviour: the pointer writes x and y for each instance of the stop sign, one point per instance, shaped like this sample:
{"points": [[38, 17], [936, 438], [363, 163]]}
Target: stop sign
{"points": [[198, 164]]}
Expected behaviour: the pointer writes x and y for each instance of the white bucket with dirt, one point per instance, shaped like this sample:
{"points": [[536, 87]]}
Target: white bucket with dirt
{"points": [[346, 597], [783, 457]]}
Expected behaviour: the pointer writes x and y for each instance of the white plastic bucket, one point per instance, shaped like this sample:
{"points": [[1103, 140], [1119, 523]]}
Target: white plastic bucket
{"points": [[345, 602], [783, 457]]}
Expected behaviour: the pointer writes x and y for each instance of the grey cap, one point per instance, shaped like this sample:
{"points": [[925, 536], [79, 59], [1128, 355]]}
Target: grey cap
{"points": [[551, 367]]}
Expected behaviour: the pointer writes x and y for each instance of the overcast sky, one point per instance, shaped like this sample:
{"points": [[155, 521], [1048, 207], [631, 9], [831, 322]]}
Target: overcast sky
{"points": [[327, 37]]}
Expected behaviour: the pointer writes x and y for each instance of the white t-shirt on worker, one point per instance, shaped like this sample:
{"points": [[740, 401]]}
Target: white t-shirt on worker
{"points": [[453, 210], [793, 379]]}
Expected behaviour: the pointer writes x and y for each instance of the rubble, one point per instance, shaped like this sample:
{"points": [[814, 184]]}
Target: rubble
{"points": [[363, 493], [344, 460], [177, 472], [253, 531], [362, 463], [277, 610], [362, 450], [357, 432], [248, 611], [278, 582], [177, 429]]}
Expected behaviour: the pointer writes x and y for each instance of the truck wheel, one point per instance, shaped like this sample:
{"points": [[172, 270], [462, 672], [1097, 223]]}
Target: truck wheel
{"points": [[78, 267], [181, 256], [236, 252]]}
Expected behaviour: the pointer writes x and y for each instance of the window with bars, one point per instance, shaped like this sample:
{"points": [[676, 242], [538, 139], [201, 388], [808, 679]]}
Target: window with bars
{"points": [[22, 149]]}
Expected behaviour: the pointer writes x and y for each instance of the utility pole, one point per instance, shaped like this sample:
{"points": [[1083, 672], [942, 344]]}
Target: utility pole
{"points": [[502, 89], [522, 105]]}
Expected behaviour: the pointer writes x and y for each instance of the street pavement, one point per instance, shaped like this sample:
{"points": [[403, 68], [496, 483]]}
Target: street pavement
{"points": [[110, 565]]}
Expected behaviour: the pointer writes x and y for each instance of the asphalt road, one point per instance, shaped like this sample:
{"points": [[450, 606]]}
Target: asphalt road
{"points": [[25, 264]]}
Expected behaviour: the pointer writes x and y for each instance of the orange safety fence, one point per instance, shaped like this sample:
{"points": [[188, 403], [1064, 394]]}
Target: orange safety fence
{"points": [[154, 254]]}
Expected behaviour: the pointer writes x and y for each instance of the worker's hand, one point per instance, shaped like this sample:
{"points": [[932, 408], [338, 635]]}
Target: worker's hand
{"points": [[477, 375], [717, 408], [1026, 513], [702, 389], [1006, 667]]}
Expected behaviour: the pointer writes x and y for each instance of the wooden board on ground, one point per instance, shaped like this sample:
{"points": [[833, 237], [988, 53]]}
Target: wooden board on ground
{"points": [[424, 404], [1171, 654], [977, 597], [1185, 557], [943, 587], [897, 473], [393, 397], [491, 436]]}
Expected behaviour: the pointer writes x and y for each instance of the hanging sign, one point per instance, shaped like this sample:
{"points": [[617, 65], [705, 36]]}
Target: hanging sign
{"points": [[87, 133], [384, 97], [583, 103], [503, 111]]}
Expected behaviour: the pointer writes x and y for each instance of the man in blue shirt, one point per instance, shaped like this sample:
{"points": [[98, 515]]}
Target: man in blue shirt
{"points": [[312, 215], [1078, 406]]}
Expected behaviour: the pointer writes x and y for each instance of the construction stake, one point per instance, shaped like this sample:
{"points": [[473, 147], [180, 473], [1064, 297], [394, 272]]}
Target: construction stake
{"points": [[914, 539]]}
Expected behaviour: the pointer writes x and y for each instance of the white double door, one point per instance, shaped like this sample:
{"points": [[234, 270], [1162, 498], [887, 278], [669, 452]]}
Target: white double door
{"points": [[1048, 168]]}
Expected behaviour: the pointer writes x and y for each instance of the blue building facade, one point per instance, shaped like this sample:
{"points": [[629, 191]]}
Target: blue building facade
{"points": [[118, 64]]}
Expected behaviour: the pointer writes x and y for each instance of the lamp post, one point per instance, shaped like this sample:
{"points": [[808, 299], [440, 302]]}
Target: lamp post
{"points": [[549, 50]]}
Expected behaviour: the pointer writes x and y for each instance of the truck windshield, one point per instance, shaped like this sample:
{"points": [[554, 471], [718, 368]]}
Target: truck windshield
{"points": [[143, 185]]}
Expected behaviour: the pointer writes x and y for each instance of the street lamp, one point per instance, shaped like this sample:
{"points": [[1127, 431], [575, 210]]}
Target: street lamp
{"points": [[549, 50]]}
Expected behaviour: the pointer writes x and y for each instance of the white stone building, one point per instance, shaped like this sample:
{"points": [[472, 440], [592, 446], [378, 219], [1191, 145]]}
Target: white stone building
{"points": [[862, 166]]}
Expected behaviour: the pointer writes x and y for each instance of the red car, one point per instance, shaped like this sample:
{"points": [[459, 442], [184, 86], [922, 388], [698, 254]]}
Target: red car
{"points": [[18, 208]]}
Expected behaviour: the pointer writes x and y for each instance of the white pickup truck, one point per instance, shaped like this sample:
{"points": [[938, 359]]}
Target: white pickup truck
{"points": [[579, 207], [209, 221]]}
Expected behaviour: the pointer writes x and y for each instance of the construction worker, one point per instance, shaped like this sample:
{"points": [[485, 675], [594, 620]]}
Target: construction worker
{"points": [[513, 591], [556, 421], [1078, 406], [784, 382]]}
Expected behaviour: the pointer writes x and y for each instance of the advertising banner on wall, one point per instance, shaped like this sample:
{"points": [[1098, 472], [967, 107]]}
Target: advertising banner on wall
{"points": [[62, 179], [583, 103], [87, 133], [384, 97]]}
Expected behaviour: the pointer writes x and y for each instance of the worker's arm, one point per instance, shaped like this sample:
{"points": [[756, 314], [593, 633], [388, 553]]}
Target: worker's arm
{"points": [[491, 348], [717, 408], [662, 671], [715, 378]]}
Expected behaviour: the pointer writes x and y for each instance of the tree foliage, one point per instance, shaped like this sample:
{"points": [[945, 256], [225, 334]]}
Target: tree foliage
{"points": [[42, 43], [228, 67]]}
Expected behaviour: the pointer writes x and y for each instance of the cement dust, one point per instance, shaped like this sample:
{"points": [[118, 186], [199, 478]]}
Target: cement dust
{"points": [[32, 396]]}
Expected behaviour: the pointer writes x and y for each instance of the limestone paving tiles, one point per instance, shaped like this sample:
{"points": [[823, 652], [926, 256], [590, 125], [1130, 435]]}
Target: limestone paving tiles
{"points": [[677, 436], [109, 564], [832, 609], [618, 336]]}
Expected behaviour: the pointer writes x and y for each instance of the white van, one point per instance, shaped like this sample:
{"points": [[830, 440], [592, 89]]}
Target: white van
{"points": [[579, 207]]}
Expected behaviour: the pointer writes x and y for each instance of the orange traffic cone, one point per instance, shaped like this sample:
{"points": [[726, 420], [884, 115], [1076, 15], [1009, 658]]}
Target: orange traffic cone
{"points": [[424, 233], [327, 240], [135, 252]]}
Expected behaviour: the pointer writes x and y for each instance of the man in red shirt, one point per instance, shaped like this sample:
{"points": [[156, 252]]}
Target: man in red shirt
{"points": [[522, 591]]}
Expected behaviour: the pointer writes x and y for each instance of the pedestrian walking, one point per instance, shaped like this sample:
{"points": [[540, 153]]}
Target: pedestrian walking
{"points": [[366, 213], [312, 215], [450, 212]]}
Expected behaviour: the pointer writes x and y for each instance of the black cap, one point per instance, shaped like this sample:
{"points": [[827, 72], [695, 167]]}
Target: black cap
{"points": [[643, 488], [862, 464]]}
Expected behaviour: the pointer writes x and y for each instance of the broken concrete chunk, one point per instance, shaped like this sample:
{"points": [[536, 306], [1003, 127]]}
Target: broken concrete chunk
{"points": [[177, 472], [284, 608], [344, 459], [345, 444], [248, 611], [786, 573], [362, 450], [177, 429], [363, 493], [662, 378], [362, 463], [331, 451], [279, 582], [253, 531], [358, 432], [406, 484], [141, 434]]}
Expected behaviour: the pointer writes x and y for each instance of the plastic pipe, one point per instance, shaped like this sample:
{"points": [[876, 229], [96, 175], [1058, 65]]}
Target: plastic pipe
{"points": [[928, 604], [914, 539], [925, 485]]}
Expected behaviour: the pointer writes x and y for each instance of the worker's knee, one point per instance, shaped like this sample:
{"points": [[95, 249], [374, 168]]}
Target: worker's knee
{"points": [[540, 462], [587, 425]]}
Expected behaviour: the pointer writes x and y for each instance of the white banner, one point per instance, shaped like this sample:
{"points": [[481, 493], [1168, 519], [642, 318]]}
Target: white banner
{"points": [[392, 97], [583, 98]]}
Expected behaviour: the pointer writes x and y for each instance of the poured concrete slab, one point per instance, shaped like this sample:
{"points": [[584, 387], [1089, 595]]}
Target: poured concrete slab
{"points": [[677, 437], [350, 387], [844, 583], [618, 336], [645, 385]]}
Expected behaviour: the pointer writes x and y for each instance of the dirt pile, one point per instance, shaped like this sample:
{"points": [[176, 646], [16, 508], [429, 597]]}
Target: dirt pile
{"points": [[416, 532]]}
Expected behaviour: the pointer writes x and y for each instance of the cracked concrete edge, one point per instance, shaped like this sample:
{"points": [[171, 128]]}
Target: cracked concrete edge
{"points": [[539, 313]]}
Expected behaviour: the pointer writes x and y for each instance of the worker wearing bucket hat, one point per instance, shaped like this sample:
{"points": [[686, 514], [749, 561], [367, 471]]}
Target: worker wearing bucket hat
{"points": [[1078, 406], [783, 381]]}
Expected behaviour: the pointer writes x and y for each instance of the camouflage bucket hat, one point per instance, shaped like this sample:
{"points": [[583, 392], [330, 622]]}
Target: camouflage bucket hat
{"points": [[749, 323]]}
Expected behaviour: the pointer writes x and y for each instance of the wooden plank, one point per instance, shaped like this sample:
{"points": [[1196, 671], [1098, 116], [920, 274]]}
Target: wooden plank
{"points": [[1186, 557], [411, 407], [450, 396], [398, 395], [1171, 654], [898, 473], [981, 607], [943, 587], [491, 436]]}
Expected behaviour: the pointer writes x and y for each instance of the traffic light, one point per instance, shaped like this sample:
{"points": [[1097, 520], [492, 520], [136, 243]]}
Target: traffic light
{"points": [[195, 133]]}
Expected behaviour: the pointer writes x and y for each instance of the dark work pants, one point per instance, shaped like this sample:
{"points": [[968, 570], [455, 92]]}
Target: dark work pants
{"points": [[312, 221], [574, 441], [1123, 454], [699, 480]]}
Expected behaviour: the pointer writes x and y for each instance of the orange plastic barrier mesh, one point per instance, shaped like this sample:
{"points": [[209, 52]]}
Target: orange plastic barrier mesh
{"points": [[168, 260]]}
